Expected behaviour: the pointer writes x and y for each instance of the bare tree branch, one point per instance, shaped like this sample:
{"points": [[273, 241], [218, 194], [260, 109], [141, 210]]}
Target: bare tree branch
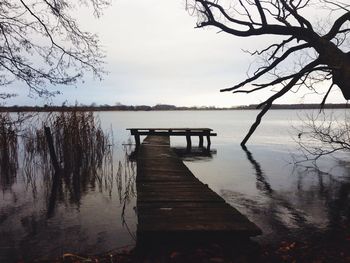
{"points": [[313, 52], [42, 45]]}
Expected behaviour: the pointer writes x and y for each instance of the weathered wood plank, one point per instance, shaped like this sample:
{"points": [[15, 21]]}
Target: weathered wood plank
{"points": [[171, 129], [175, 133], [172, 201]]}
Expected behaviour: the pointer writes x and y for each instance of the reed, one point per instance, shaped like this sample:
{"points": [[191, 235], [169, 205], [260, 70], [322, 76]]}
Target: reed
{"points": [[84, 154], [79, 141]]}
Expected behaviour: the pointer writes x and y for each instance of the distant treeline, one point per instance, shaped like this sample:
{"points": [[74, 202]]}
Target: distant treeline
{"points": [[299, 106], [160, 107]]}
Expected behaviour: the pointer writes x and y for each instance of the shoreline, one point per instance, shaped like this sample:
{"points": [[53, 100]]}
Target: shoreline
{"points": [[47, 108]]}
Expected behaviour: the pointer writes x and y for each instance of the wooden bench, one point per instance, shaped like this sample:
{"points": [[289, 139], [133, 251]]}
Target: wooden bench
{"points": [[188, 132]]}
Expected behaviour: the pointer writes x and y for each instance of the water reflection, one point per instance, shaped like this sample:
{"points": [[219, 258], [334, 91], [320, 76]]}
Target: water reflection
{"points": [[261, 182], [90, 222], [84, 154], [281, 213], [196, 153], [126, 181], [277, 211], [8, 151], [49, 212], [333, 191]]}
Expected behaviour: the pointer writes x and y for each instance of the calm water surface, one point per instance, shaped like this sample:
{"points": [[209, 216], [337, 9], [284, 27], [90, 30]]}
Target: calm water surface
{"points": [[263, 184]]}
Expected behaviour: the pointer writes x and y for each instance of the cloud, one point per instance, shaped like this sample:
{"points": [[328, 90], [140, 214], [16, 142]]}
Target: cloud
{"points": [[155, 55]]}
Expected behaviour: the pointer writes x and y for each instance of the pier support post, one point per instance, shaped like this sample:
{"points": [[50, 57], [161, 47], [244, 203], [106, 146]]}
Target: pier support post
{"points": [[137, 137], [209, 142], [200, 141], [188, 139], [137, 140]]}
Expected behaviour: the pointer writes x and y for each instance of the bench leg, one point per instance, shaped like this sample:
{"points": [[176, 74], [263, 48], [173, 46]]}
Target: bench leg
{"points": [[200, 141], [209, 142], [137, 140], [189, 143]]}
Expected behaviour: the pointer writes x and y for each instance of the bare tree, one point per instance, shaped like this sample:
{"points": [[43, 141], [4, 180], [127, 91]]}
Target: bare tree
{"points": [[42, 44], [327, 56]]}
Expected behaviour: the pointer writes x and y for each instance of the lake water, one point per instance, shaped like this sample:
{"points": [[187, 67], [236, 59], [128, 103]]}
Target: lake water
{"points": [[282, 199]]}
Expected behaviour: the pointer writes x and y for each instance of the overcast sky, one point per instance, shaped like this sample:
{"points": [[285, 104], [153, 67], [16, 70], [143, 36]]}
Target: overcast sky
{"points": [[155, 55]]}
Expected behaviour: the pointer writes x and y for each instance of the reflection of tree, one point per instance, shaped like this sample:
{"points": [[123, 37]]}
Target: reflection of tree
{"points": [[261, 182], [332, 191], [339, 208], [276, 209]]}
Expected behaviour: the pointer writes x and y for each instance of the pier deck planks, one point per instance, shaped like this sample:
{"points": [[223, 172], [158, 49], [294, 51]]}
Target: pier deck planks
{"points": [[172, 201]]}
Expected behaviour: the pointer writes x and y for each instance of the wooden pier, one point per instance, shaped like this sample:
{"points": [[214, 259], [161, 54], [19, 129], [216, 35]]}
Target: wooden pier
{"points": [[187, 132], [173, 203]]}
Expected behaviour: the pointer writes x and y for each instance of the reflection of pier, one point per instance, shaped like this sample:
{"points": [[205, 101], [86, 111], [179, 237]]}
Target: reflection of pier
{"points": [[196, 154], [173, 203]]}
